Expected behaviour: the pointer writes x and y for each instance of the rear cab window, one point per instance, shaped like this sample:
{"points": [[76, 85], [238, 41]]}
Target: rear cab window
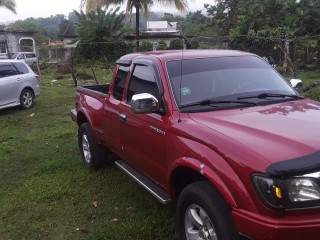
{"points": [[119, 82]]}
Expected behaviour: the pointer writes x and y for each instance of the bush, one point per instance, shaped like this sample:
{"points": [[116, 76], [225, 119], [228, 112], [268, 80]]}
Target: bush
{"points": [[162, 45], [99, 51], [176, 43], [146, 46], [193, 44]]}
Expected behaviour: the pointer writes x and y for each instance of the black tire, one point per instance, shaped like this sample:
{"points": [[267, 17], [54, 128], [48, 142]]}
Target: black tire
{"points": [[93, 155], [203, 201], [26, 99]]}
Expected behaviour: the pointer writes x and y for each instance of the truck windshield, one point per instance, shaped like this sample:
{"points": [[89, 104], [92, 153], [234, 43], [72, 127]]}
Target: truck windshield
{"points": [[225, 79]]}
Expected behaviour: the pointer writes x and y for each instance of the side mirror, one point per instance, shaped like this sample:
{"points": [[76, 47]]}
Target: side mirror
{"points": [[296, 83], [144, 103]]}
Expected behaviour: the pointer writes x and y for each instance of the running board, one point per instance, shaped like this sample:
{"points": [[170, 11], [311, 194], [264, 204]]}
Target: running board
{"points": [[151, 187]]}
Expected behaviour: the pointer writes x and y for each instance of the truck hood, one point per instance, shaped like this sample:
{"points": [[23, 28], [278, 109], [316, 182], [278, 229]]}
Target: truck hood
{"points": [[277, 132]]}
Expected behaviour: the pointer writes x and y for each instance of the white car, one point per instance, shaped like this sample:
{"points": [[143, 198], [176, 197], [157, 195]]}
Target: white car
{"points": [[29, 57], [19, 85]]}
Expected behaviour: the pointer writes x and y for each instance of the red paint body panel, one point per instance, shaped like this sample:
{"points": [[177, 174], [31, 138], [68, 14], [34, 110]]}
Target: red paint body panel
{"points": [[230, 144]]}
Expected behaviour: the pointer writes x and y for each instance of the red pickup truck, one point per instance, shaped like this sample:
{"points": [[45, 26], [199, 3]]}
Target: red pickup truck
{"points": [[219, 132]]}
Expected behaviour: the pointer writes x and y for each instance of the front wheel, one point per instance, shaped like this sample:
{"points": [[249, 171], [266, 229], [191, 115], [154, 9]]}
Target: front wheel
{"points": [[202, 214], [26, 99]]}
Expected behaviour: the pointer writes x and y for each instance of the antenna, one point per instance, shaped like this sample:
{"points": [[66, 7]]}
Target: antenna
{"points": [[180, 84]]}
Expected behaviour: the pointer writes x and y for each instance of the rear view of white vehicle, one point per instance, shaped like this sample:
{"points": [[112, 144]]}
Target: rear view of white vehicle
{"points": [[19, 85]]}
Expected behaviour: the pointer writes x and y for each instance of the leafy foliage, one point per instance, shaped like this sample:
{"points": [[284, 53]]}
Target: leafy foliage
{"points": [[194, 24], [40, 37], [176, 43], [100, 26], [193, 44], [8, 4], [146, 46], [162, 45], [100, 34], [266, 26], [67, 28], [45, 27], [143, 5]]}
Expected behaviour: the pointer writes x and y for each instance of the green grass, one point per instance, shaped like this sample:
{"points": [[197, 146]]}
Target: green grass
{"points": [[311, 84], [46, 192]]}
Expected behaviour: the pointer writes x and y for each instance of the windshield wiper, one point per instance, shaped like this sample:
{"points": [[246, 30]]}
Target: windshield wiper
{"points": [[210, 102], [275, 95]]}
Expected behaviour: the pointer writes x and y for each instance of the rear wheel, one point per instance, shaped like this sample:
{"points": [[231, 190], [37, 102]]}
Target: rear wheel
{"points": [[202, 214], [93, 154], [26, 99]]}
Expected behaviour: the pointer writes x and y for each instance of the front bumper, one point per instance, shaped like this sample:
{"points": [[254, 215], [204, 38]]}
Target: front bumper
{"points": [[261, 227]]}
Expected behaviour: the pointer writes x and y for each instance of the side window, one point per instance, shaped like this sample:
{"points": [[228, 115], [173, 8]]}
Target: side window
{"points": [[21, 67], [21, 57], [7, 70], [142, 81], [30, 55], [120, 80]]}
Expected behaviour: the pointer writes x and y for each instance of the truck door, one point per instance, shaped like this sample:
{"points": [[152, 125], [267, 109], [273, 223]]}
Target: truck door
{"points": [[144, 135], [111, 113]]}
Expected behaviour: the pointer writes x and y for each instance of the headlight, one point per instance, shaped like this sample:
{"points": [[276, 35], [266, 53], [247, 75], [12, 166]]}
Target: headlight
{"points": [[297, 192]]}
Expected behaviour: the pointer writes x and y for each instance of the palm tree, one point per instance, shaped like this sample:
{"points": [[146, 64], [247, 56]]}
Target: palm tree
{"points": [[143, 5], [9, 4]]}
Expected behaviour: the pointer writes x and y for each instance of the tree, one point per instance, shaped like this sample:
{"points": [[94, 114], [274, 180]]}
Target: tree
{"points": [[40, 36], [67, 28], [143, 5], [100, 33], [9, 4], [273, 24], [50, 25], [99, 25]]}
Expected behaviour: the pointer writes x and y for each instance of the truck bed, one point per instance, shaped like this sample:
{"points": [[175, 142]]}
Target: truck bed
{"points": [[101, 89]]}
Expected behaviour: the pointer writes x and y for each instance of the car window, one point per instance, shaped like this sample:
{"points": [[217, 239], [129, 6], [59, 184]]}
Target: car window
{"points": [[30, 55], [22, 68], [119, 82], [142, 81], [21, 56], [6, 69]]}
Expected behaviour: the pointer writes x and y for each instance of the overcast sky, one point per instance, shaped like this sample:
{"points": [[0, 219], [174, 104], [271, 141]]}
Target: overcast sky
{"points": [[45, 8]]}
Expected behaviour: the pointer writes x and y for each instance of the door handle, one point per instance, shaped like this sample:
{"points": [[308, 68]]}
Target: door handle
{"points": [[123, 117]]}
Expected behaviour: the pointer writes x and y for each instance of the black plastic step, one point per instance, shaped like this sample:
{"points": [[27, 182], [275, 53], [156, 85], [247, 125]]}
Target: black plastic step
{"points": [[150, 186]]}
